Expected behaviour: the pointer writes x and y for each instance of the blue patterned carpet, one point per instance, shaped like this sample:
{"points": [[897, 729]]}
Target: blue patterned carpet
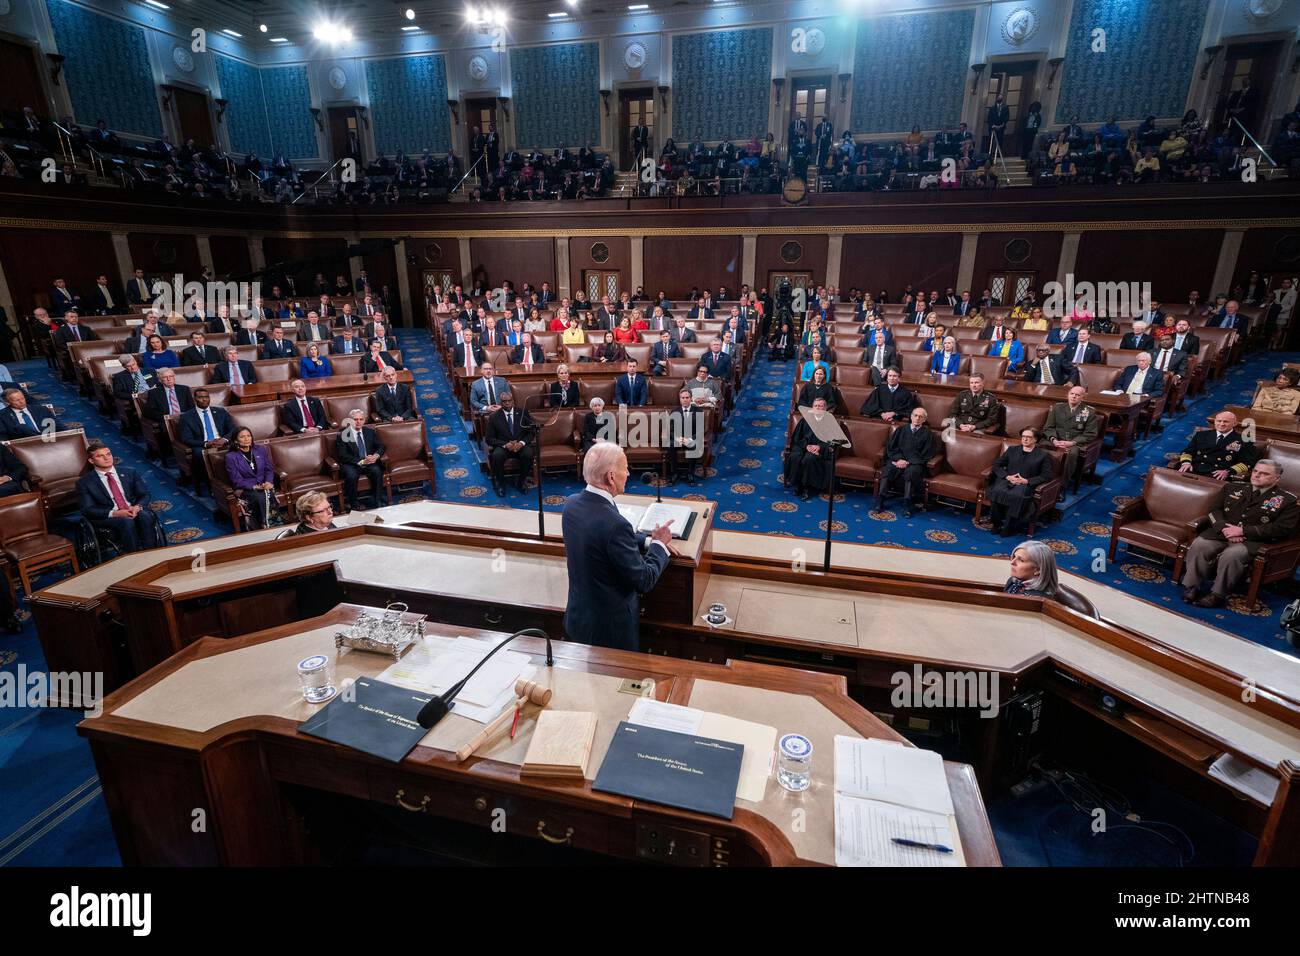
{"points": [[53, 813]]}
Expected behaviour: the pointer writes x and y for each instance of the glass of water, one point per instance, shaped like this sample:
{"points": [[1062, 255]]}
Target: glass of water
{"points": [[794, 762], [316, 679]]}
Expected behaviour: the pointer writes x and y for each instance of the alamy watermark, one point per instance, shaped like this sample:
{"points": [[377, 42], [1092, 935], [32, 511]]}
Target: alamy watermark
{"points": [[920, 688], [658, 429], [178, 296], [1111, 299], [24, 688]]}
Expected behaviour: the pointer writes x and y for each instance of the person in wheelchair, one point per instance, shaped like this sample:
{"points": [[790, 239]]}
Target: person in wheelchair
{"points": [[253, 478], [116, 501]]}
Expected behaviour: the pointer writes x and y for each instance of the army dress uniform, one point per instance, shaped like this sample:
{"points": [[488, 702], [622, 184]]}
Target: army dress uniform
{"points": [[979, 410], [1209, 452], [1081, 425], [1264, 515], [1283, 401]]}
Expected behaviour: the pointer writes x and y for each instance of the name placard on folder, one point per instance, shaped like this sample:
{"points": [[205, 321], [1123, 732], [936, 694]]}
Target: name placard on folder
{"points": [[678, 770]]}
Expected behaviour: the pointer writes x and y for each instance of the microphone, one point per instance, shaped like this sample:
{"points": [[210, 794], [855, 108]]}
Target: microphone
{"points": [[440, 706]]}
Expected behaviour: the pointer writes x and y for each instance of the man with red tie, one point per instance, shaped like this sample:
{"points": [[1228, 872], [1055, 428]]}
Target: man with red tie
{"points": [[376, 360], [303, 413], [527, 354], [116, 500], [74, 331]]}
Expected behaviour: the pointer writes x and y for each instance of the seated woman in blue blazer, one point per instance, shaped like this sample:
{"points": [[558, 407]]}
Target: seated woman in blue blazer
{"points": [[947, 359], [314, 365], [813, 364], [1010, 349], [934, 343], [157, 355]]}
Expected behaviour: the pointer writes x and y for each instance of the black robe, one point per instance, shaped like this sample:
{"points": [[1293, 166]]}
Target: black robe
{"points": [[811, 392], [804, 471], [1019, 499]]}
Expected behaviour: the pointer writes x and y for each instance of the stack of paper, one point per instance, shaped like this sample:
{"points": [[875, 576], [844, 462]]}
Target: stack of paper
{"points": [[561, 744], [758, 740], [1245, 777], [644, 519], [436, 663], [885, 791]]}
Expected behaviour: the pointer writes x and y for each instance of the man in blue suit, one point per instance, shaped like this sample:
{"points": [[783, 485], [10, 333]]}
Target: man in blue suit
{"points": [[1142, 379], [1063, 334], [609, 567], [631, 388], [18, 420], [717, 361], [116, 500], [234, 370], [201, 427]]}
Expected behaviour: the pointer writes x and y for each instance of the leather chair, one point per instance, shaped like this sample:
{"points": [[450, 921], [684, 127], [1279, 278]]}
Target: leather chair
{"points": [[640, 352], [855, 396], [648, 455], [663, 391], [963, 472], [498, 355], [1097, 378], [849, 355], [862, 460], [1163, 518], [343, 365], [993, 367], [1045, 495], [337, 407], [907, 343], [274, 370], [574, 354], [300, 466], [694, 351], [937, 405], [603, 387], [262, 418], [223, 492], [1076, 602], [559, 438], [550, 343], [1287, 455], [53, 467], [195, 376], [859, 375], [914, 362], [1017, 416], [680, 369], [27, 543]]}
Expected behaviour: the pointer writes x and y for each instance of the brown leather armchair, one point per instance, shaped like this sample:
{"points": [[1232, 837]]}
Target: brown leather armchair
{"points": [[1045, 495], [861, 461], [337, 407], [994, 367], [261, 418], [1163, 518], [966, 462], [559, 438], [53, 467], [27, 543], [300, 466]]}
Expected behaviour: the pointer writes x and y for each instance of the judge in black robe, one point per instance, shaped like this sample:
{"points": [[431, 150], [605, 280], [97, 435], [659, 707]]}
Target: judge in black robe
{"points": [[820, 388], [1017, 474], [807, 464]]}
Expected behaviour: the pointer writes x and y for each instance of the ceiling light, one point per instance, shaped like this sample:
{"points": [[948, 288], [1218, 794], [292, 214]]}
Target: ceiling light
{"points": [[556, 16], [638, 6], [279, 39], [233, 33], [262, 27], [155, 3], [409, 29], [332, 33], [483, 16], [410, 14]]}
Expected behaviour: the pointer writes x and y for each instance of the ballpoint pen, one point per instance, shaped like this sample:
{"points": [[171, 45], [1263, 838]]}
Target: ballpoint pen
{"points": [[922, 846]]}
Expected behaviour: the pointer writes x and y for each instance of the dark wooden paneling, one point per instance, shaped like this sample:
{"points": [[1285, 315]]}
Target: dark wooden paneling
{"points": [[445, 257], [22, 85], [33, 259], [1259, 253], [230, 255], [675, 264], [1174, 262], [381, 269], [620, 260], [519, 260], [164, 255], [333, 254], [812, 258], [990, 256], [891, 262]]}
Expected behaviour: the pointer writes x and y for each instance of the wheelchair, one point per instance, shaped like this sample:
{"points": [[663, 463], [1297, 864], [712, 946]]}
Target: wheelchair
{"points": [[95, 545]]}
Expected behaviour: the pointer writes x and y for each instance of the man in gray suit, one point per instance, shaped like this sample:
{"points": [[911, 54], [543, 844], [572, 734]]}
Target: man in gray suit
{"points": [[485, 394]]}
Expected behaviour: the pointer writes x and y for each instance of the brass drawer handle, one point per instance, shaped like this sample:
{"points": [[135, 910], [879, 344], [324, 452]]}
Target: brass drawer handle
{"points": [[491, 618], [558, 841], [411, 806]]}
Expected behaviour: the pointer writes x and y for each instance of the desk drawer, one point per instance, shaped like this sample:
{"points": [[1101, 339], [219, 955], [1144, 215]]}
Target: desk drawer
{"points": [[483, 806]]}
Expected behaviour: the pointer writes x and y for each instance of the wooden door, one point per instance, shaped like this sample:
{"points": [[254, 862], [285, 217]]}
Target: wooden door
{"points": [[810, 98], [601, 282], [22, 82], [345, 134], [480, 114], [635, 108], [194, 115], [1015, 83], [1256, 62], [1008, 288]]}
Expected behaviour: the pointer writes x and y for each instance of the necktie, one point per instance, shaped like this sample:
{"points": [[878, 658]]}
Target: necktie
{"points": [[115, 490], [140, 384], [528, 356], [76, 333], [209, 432], [31, 422], [879, 361], [1164, 360], [1046, 365], [379, 360], [172, 403], [1078, 354], [235, 377], [469, 357], [392, 391], [491, 393], [510, 423], [361, 442]]}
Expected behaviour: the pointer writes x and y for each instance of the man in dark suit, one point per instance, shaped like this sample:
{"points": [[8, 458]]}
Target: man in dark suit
{"points": [[1139, 339], [303, 413], [909, 448], [313, 330], [346, 318], [468, 356], [249, 334], [1064, 334], [509, 435], [680, 331], [138, 341], [640, 142], [1185, 339], [104, 299], [875, 333], [167, 398], [131, 379], [358, 451], [363, 283], [686, 437], [890, 401], [700, 311], [278, 347], [606, 316], [138, 290], [116, 500], [377, 360], [631, 388], [998, 116], [367, 308], [221, 323], [662, 351], [608, 566], [1142, 379], [19, 420], [994, 331], [203, 426], [527, 353], [394, 400], [563, 392], [74, 331], [963, 306], [1228, 318], [12, 475], [1169, 359], [1082, 352], [880, 356], [717, 361], [1154, 316], [1048, 369], [1219, 452], [62, 299], [347, 343], [378, 330], [233, 370], [199, 352]]}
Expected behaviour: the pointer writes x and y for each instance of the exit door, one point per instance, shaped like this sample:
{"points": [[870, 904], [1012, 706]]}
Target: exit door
{"points": [[635, 108], [1014, 82], [600, 282]]}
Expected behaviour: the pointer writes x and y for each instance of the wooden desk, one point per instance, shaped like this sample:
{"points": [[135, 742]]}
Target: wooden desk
{"points": [[216, 727], [1268, 425], [334, 385]]}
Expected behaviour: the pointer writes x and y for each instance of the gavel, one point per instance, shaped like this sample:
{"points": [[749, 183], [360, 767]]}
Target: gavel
{"points": [[526, 691]]}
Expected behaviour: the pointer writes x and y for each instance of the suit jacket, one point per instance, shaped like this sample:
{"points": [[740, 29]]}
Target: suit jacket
{"points": [[242, 477], [962, 308], [155, 403], [1091, 354], [343, 320], [1177, 363], [190, 426], [719, 365], [389, 337], [137, 295], [338, 346], [124, 386], [208, 355], [279, 350], [291, 413], [97, 504], [686, 334], [99, 304], [218, 325], [1208, 454], [607, 573], [890, 355], [917, 447], [370, 365], [695, 313], [245, 337], [322, 332], [11, 427], [390, 406], [538, 353], [564, 397], [1270, 517], [1154, 384], [491, 336], [900, 401], [136, 342], [66, 335], [1063, 373], [606, 318], [458, 356], [347, 452], [1191, 343], [497, 431], [221, 374], [868, 340], [945, 363], [478, 392], [1071, 338], [1144, 342], [636, 392], [61, 300], [986, 333], [659, 354]]}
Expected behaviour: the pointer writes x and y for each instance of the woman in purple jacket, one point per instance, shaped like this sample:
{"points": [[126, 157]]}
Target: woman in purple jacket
{"points": [[252, 477]]}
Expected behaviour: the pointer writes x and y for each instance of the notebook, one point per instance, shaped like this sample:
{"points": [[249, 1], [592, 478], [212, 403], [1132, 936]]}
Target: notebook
{"points": [[560, 745], [643, 519]]}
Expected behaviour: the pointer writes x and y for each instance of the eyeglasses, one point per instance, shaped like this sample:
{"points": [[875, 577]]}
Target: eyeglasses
{"points": [[328, 509]]}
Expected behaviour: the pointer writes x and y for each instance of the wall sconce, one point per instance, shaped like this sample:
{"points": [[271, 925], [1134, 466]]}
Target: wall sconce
{"points": [[221, 108], [663, 97], [604, 95], [56, 66], [167, 98], [505, 106], [1055, 63], [361, 113], [1211, 52], [454, 106], [977, 69], [779, 84], [320, 123], [844, 86]]}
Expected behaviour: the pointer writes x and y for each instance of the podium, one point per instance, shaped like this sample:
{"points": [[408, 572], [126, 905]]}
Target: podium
{"points": [[826, 429]]}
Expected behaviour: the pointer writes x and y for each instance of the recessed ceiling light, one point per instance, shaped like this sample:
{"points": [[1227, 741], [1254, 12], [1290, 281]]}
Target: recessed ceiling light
{"points": [[279, 39], [638, 6], [409, 29], [262, 27], [410, 14], [233, 33], [556, 16], [155, 3]]}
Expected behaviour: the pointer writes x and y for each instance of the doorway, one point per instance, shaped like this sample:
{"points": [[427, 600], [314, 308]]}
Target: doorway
{"points": [[635, 108], [345, 134], [1015, 83], [194, 116], [1008, 288], [600, 282], [810, 98], [1256, 62], [22, 85], [480, 116]]}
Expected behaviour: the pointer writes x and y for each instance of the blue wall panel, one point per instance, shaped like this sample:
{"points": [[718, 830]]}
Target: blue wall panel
{"points": [[721, 84], [910, 70], [408, 104]]}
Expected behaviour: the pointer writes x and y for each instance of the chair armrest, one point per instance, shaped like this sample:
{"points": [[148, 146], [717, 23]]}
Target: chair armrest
{"points": [[332, 466], [932, 466], [1128, 512], [1198, 525]]}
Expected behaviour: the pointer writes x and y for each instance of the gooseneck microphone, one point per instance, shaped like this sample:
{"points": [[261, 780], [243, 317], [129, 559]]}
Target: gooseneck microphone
{"points": [[440, 706]]}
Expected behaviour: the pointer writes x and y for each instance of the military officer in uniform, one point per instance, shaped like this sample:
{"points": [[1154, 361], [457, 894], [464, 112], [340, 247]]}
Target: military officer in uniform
{"points": [[1218, 452], [975, 410], [1071, 425], [1281, 397], [1251, 514]]}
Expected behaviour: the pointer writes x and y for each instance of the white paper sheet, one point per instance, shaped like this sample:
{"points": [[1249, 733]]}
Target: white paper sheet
{"points": [[758, 740], [648, 712], [435, 664], [865, 830], [904, 776], [1245, 777]]}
